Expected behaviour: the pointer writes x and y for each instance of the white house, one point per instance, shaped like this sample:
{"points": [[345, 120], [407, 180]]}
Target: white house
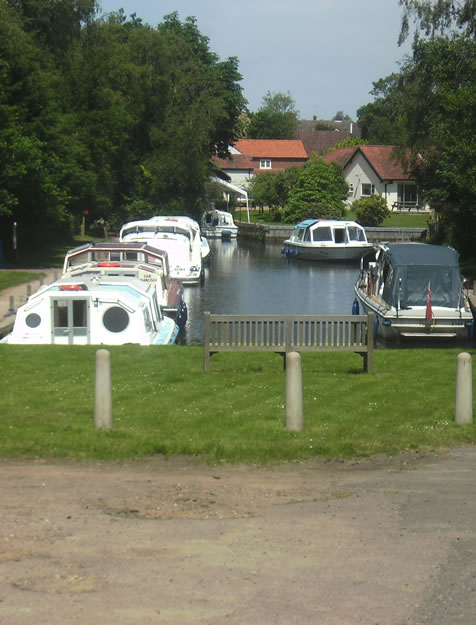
{"points": [[374, 169]]}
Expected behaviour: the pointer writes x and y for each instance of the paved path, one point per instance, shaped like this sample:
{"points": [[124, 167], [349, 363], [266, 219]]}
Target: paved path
{"points": [[373, 542], [8, 306]]}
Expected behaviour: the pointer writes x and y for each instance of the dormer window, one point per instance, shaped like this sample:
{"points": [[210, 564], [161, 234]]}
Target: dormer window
{"points": [[265, 163]]}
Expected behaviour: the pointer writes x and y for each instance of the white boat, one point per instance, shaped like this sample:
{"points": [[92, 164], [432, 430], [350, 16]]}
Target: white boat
{"points": [[179, 236], [218, 224], [327, 239], [415, 291], [137, 260], [205, 250], [93, 311]]}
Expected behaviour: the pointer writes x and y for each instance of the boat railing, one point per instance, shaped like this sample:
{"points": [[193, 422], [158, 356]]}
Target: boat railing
{"points": [[289, 333]]}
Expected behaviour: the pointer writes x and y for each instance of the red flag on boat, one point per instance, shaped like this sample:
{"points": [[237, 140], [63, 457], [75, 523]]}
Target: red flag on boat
{"points": [[429, 311]]}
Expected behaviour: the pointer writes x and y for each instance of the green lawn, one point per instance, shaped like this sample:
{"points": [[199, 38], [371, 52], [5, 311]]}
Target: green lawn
{"points": [[394, 220], [164, 403]]}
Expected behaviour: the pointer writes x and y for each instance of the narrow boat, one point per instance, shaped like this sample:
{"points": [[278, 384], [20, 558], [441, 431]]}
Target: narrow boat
{"points": [[327, 239], [179, 236], [100, 310], [415, 291], [137, 260], [218, 224]]}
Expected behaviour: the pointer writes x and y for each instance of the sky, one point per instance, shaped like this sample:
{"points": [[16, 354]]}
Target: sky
{"points": [[325, 53]]}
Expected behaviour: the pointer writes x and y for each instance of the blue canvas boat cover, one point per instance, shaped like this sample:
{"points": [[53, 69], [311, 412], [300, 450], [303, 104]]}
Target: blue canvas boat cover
{"points": [[414, 268]]}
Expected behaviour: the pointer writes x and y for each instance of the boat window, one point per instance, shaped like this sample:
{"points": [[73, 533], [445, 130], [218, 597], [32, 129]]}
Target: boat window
{"points": [[355, 234], [339, 235], [33, 320], [100, 256], [78, 259], [115, 319], [80, 319], [61, 313], [131, 256], [322, 234], [300, 234]]}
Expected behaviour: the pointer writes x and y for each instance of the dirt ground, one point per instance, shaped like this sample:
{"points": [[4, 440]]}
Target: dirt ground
{"points": [[387, 541]]}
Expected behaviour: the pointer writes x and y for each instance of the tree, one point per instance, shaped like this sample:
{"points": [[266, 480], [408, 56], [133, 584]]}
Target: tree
{"points": [[435, 17], [273, 189], [382, 122], [319, 191], [340, 117], [349, 142], [371, 211], [276, 119]]}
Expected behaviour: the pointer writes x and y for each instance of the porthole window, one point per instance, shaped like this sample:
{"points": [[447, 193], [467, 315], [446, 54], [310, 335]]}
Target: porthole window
{"points": [[115, 319], [33, 320]]}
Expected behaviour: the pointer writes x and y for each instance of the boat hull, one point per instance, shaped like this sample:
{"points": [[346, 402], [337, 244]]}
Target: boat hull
{"points": [[446, 323], [309, 251]]}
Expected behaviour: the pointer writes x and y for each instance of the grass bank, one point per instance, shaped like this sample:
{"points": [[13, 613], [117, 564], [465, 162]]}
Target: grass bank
{"points": [[164, 403]]}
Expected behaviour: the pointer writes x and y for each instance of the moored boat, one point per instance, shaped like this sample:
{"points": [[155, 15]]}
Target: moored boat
{"points": [[137, 260], [179, 236], [327, 240], [217, 224], [100, 310], [416, 291]]}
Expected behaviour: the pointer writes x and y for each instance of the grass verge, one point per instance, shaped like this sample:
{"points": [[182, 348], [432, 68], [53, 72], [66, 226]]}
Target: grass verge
{"points": [[164, 403]]}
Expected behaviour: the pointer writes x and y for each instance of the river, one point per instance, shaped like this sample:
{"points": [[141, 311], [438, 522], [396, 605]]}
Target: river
{"points": [[250, 277]]}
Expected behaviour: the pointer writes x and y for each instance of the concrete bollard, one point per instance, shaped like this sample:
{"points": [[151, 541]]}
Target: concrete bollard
{"points": [[464, 389], [103, 394], [11, 306], [294, 413], [28, 290]]}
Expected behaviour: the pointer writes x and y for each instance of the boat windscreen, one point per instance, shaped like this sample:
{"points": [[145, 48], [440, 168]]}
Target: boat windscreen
{"points": [[356, 234]]}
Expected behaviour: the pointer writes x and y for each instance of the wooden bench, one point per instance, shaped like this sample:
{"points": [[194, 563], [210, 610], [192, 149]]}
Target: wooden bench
{"points": [[289, 333]]}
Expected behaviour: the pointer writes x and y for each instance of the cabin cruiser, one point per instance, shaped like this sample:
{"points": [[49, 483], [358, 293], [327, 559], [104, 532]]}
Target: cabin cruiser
{"points": [[99, 310], [327, 239], [416, 291], [218, 224], [137, 260], [179, 236]]}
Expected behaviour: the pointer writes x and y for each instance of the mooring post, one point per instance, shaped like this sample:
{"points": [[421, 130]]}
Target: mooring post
{"points": [[294, 413], [464, 389], [103, 394], [11, 306]]}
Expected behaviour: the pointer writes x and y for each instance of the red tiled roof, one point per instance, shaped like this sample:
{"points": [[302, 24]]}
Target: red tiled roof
{"points": [[272, 148], [381, 158], [238, 161]]}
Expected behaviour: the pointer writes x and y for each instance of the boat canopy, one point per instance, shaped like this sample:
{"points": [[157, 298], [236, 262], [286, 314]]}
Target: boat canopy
{"points": [[410, 270]]}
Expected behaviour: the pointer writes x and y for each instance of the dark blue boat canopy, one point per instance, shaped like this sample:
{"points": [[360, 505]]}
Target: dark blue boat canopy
{"points": [[411, 270]]}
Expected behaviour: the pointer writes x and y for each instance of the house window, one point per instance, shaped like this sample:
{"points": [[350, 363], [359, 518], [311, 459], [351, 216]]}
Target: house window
{"points": [[367, 189], [265, 163], [407, 194], [351, 188]]}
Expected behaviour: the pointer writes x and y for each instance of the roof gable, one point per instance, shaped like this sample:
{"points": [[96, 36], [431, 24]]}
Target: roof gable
{"points": [[382, 159]]}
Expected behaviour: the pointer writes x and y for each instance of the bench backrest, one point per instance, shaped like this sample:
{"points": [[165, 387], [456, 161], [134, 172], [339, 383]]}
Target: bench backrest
{"points": [[287, 333]]}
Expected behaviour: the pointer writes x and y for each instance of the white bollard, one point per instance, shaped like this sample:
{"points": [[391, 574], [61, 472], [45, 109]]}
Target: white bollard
{"points": [[103, 394], [464, 389], [294, 414]]}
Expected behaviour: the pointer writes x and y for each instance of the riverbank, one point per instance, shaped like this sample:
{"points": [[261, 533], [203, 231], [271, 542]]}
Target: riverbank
{"points": [[281, 232]]}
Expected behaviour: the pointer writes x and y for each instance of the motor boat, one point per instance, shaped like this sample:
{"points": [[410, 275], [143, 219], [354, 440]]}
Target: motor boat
{"points": [[206, 252], [218, 224], [415, 290], [179, 236], [137, 260], [327, 239], [98, 310]]}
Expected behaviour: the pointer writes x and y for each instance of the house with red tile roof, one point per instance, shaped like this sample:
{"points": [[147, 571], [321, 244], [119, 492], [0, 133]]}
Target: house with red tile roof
{"points": [[374, 169], [251, 157]]}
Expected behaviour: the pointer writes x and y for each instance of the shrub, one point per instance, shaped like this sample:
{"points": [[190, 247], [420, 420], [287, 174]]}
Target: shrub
{"points": [[371, 211]]}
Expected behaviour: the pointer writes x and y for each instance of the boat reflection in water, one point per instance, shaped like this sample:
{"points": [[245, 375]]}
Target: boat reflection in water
{"points": [[248, 277]]}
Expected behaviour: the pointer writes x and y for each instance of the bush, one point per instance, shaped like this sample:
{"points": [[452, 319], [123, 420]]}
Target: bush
{"points": [[371, 211]]}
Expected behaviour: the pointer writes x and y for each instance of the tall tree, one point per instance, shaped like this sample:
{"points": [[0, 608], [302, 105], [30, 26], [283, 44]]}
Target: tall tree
{"points": [[276, 119], [319, 191]]}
